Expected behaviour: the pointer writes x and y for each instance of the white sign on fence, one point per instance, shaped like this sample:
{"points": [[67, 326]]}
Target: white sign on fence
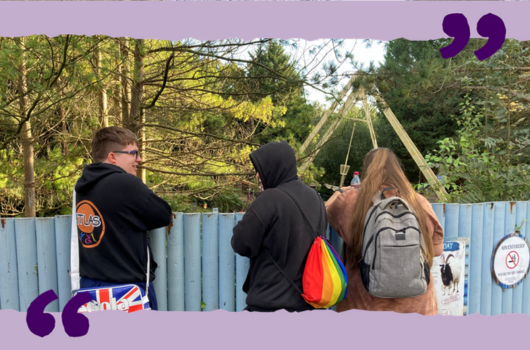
{"points": [[449, 274], [510, 261]]}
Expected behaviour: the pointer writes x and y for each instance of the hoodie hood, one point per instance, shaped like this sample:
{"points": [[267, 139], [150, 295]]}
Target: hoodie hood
{"points": [[276, 163], [93, 173]]}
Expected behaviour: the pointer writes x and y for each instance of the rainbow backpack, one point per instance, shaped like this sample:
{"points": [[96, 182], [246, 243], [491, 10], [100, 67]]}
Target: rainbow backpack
{"points": [[324, 281]]}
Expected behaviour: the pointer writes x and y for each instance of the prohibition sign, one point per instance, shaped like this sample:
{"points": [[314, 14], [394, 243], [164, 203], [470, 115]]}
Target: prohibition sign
{"points": [[512, 259]]}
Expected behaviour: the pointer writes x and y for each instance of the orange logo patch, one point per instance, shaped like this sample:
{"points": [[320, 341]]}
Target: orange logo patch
{"points": [[90, 224]]}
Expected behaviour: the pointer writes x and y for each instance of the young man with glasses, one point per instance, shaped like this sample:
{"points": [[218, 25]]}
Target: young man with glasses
{"points": [[115, 209]]}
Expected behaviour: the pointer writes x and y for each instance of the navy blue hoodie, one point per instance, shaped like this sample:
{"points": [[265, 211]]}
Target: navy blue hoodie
{"points": [[274, 222], [114, 211]]}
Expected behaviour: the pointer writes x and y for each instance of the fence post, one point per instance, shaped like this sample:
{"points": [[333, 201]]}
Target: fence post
{"points": [[47, 259], [520, 216], [226, 263], [175, 264], [499, 232], [487, 249], [509, 227], [465, 214], [28, 284], [242, 266], [62, 247], [452, 214], [192, 261], [526, 283], [439, 210], [210, 260], [158, 247], [475, 264], [8, 266]]}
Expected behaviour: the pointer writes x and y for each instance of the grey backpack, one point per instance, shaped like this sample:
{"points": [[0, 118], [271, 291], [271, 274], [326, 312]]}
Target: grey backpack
{"points": [[393, 260]]}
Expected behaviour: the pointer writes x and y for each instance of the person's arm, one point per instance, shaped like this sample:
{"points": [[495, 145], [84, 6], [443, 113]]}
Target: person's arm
{"points": [[337, 194], [154, 212], [248, 234], [157, 212], [340, 210]]}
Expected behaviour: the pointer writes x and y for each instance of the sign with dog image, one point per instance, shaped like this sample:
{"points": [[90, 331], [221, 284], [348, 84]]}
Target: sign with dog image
{"points": [[449, 274], [510, 261]]}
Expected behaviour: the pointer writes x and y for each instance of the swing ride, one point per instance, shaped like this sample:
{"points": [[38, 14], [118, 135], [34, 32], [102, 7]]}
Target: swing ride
{"points": [[356, 95]]}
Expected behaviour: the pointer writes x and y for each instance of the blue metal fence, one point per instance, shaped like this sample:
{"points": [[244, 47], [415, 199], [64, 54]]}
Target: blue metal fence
{"points": [[198, 270]]}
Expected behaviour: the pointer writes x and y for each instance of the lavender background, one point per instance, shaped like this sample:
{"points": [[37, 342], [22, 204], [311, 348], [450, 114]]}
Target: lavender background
{"points": [[382, 20], [414, 20]]}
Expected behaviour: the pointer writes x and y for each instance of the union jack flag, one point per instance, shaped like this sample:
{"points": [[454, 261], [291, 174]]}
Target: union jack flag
{"points": [[128, 298]]}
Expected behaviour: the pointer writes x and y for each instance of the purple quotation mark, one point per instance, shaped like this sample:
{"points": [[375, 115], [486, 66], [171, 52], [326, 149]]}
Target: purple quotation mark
{"points": [[42, 324], [489, 26]]}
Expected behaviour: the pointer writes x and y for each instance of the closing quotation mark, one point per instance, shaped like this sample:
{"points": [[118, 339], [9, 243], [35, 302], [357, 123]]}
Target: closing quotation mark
{"points": [[42, 324], [489, 26]]}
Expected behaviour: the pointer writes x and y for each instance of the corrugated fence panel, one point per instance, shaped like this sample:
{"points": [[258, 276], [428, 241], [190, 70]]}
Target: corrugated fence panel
{"points": [[509, 227], [439, 210], [227, 260], [62, 248], [28, 242], [210, 261], [47, 259], [487, 246], [175, 264], [158, 247], [526, 283], [520, 215], [465, 215], [242, 266], [192, 261], [499, 213], [475, 245], [28, 284], [452, 215], [8, 266]]}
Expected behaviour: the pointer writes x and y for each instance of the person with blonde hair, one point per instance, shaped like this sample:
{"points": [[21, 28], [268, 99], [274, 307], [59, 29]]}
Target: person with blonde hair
{"points": [[347, 208]]}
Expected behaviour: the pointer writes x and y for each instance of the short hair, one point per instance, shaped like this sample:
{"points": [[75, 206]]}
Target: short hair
{"points": [[110, 139]]}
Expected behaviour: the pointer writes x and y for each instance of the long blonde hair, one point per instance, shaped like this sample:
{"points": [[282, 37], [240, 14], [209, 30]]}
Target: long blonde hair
{"points": [[381, 166]]}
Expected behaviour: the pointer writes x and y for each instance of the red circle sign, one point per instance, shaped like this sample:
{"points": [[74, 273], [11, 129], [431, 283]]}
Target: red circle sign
{"points": [[512, 259]]}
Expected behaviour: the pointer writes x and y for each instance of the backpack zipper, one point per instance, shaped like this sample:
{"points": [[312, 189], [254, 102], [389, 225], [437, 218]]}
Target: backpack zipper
{"points": [[388, 228], [394, 216]]}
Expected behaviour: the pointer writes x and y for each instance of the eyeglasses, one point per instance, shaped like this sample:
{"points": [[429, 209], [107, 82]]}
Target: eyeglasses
{"points": [[135, 152]]}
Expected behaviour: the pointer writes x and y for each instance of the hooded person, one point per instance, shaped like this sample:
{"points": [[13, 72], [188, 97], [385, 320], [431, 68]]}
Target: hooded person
{"points": [[115, 209], [274, 224]]}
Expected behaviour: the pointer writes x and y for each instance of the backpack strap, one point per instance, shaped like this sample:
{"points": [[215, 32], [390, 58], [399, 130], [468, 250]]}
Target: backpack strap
{"points": [[315, 234], [305, 218], [283, 273]]}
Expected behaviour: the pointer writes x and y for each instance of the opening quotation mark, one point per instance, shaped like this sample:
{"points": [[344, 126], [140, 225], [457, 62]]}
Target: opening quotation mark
{"points": [[42, 324], [489, 26]]}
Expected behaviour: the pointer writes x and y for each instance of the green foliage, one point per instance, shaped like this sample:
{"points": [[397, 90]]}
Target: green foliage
{"points": [[272, 61], [412, 81], [474, 173]]}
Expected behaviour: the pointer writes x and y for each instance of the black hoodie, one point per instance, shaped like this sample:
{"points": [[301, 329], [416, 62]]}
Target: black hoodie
{"points": [[114, 211], [274, 222]]}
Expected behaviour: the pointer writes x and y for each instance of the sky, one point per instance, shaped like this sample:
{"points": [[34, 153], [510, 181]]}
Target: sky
{"points": [[361, 54]]}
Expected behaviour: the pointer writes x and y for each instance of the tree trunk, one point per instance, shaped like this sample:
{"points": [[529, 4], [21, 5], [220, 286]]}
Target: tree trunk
{"points": [[137, 90], [27, 140], [141, 172], [102, 92], [125, 94], [65, 131]]}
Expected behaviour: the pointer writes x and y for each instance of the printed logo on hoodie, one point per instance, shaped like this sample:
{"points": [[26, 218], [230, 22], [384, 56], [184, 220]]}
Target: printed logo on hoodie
{"points": [[90, 224]]}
